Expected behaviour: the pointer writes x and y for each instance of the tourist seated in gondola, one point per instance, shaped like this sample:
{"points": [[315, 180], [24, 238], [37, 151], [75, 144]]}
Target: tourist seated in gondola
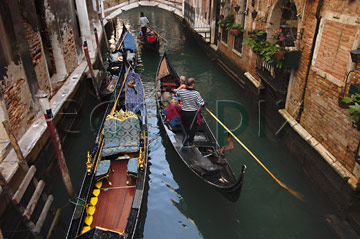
{"points": [[173, 111], [166, 97]]}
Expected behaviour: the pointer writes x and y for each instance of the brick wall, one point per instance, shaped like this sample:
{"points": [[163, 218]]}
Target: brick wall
{"points": [[69, 49], [339, 33], [38, 58], [17, 99], [322, 116]]}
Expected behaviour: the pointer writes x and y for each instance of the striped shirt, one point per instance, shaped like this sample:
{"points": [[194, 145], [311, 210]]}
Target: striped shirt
{"points": [[191, 99]]}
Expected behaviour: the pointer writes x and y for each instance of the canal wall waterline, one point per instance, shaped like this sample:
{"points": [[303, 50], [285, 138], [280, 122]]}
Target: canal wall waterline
{"points": [[333, 179]]}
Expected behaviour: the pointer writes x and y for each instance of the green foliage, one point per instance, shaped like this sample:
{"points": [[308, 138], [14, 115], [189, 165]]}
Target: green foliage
{"points": [[236, 26], [354, 108], [227, 22], [265, 49]]}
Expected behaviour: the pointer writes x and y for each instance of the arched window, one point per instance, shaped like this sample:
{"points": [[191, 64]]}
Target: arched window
{"points": [[284, 23]]}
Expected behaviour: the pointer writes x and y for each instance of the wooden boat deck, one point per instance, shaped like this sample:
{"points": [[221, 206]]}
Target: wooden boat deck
{"points": [[113, 207]]}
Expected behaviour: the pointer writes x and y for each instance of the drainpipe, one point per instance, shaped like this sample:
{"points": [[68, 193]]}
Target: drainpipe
{"points": [[318, 20]]}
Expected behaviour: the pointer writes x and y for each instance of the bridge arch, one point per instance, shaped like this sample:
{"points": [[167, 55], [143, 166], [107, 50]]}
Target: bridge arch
{"points": [[176, 8]]}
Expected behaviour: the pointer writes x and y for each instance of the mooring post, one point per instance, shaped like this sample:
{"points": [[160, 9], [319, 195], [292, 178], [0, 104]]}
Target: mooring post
{"points": [[103, 29], [86, 51], [98, 48], [45, 105]]}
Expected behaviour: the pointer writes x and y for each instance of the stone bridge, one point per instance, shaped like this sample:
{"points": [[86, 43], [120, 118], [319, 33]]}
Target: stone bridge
{"points": [[193, 16]]}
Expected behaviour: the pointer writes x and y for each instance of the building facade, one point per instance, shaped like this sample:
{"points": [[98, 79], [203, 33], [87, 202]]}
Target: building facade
{"points": [[315, 74]]}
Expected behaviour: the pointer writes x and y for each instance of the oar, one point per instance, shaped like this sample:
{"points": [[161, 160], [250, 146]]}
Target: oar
{"points": [[296, 194], [152, 29], [122, 86], [122, 41]]}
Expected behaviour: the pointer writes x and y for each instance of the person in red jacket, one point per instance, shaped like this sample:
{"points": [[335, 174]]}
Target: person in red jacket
{"points": [[173, 113]]}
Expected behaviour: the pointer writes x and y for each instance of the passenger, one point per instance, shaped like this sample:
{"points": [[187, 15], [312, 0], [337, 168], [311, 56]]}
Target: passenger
{"points": [[191, 102], [173, 113], [166, 97], [182, 81], [143, 24]]}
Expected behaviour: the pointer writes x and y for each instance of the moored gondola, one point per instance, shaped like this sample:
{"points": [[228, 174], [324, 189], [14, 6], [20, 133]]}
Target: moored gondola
{"points": [[125, 50], [110, 197], [204, 158]]}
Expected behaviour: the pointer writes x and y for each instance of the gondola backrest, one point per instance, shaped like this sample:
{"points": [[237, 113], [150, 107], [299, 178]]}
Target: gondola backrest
{"points": [[121, 135]]}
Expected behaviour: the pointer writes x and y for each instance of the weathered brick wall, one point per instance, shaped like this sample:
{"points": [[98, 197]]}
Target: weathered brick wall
{"points": [[322, 116], [17, 98], [69, 49], [38, 57]]}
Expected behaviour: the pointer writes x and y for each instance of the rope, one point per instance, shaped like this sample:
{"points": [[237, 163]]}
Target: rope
{"points": [[296, 194]]}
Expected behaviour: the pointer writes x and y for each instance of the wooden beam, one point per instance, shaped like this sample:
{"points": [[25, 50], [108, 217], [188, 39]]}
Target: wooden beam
{"points": [[43, 214], [24, 185], [13, 140], [34, 200], [54, 223]]}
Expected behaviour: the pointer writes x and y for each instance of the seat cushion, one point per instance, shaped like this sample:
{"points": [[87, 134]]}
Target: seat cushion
{"points": [[103, 168], [132, 166]]}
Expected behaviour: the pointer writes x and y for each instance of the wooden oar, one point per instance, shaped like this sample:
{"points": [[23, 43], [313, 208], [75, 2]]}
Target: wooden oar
{"points": [[122, 86], [164, 39], [296, 194], [122, 41]]}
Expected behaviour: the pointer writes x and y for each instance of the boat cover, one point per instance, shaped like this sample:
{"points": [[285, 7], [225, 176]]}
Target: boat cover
{"points": [[134, 98], [129, 42]]}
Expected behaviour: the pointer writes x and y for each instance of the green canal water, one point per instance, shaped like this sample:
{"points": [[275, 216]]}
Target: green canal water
{"points": [[176, 203]]}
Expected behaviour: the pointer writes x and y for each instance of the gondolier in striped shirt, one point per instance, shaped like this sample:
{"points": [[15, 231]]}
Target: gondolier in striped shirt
{"points": [[191, 102]]}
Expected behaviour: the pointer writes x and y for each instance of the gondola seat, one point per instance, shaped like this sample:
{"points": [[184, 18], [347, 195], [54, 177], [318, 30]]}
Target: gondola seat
{"points": [[121, 134], [103, 171], [132, 170]]}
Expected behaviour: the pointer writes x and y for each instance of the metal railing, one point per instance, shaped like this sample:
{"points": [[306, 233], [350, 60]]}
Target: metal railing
{"points": [[277, 79]]}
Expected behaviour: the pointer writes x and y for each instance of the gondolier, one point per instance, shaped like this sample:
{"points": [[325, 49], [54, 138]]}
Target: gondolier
{"points": [[191, 101], [143, 24]]}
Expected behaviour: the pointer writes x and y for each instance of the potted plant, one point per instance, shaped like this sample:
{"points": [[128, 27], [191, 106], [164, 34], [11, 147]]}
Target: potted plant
{"points": [[227, 22], [236, 29], [354, 108]]}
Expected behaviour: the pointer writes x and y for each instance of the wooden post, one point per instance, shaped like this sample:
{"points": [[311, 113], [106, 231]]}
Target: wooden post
{"points": [[54, 223], [103, 29], [98, 49], [91, 69], [45, 104]]}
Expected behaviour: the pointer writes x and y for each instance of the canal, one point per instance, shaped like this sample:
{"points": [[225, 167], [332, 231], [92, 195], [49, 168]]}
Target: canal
{"points": [[176, 203]]}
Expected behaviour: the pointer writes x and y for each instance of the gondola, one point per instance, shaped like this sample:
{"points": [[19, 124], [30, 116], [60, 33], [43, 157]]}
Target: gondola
{"points": [[204, 158], [110, 197], [152, 42], [125, 49]]}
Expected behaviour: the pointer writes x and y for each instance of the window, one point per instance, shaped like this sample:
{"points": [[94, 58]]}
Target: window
{"points": [[224, 35], [238, 42]]}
